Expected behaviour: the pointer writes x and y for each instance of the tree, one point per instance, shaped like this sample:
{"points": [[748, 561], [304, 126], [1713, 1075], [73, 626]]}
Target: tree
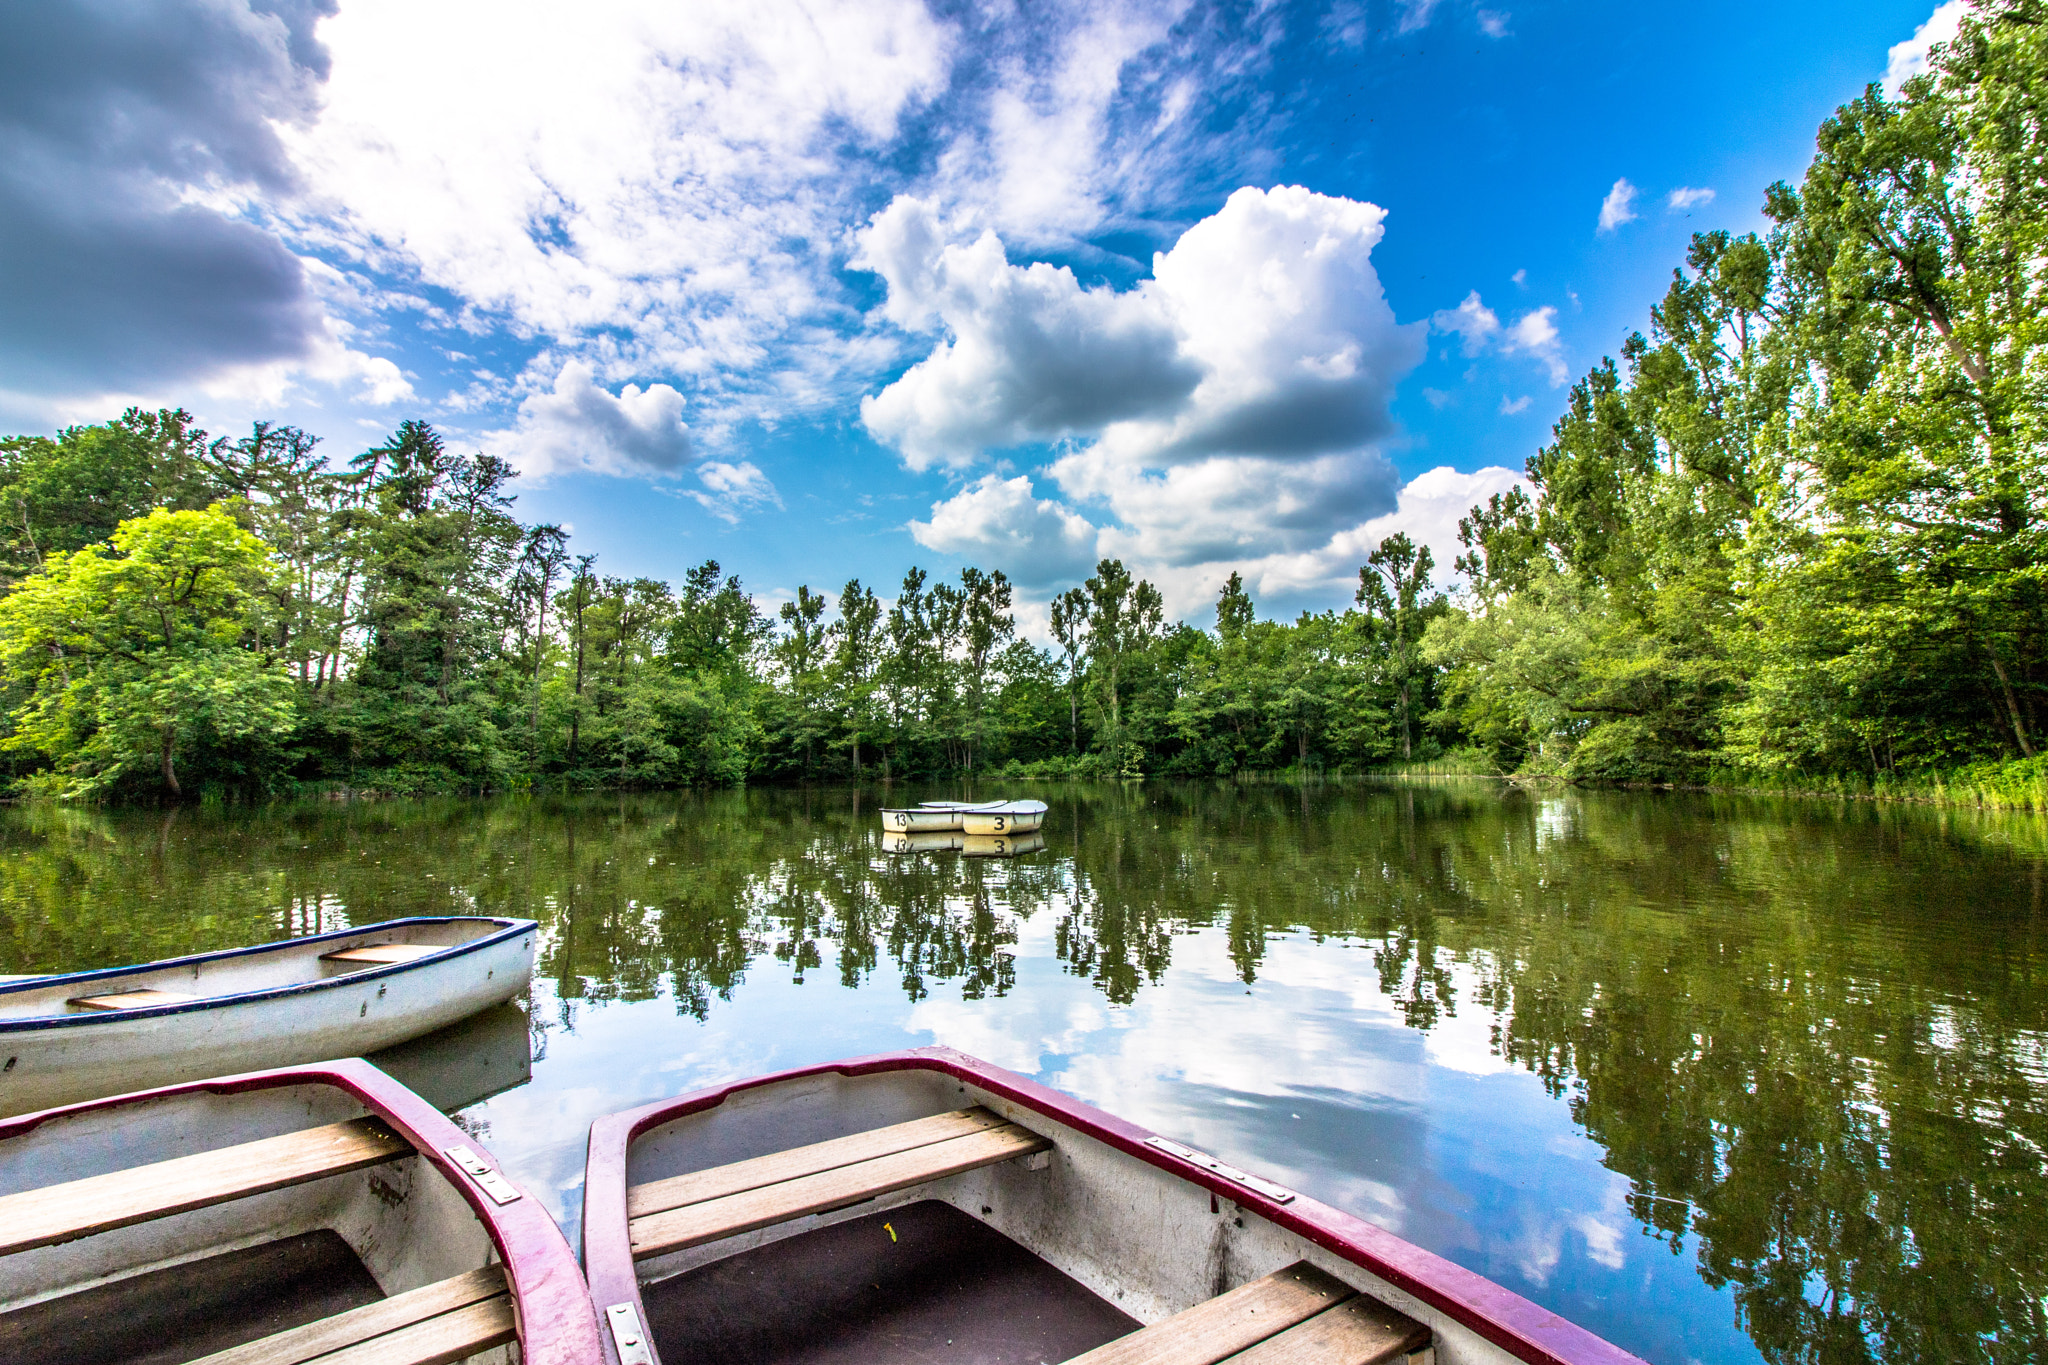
{"points": [[1070, 629], [1124, 615], [1395, 590], [118, 657], [856, 656]]}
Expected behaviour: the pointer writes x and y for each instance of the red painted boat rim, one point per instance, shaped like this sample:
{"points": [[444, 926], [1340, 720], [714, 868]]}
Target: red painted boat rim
{"points": [[1524, 1329], [552, 1307]]}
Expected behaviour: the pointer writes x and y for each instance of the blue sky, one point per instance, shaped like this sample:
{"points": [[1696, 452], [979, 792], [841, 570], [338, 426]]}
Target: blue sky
{"points": [[826, 289]]}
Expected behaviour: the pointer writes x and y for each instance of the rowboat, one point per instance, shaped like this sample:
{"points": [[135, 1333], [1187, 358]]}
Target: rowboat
{"points": [[921, 820], [1003, 817], [927, 1205], [340, 994], [275, 1218]]}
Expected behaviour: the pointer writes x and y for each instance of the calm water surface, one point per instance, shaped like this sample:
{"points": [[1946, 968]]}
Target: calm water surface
{"points": [[1720, 1079]]}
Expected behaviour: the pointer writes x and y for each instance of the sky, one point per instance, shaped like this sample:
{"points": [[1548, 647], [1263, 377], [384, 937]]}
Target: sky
{"points": [[822, 289]]}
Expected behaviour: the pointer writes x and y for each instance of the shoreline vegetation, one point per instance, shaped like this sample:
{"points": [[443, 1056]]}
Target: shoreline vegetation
{"points": [[1793, 540]]}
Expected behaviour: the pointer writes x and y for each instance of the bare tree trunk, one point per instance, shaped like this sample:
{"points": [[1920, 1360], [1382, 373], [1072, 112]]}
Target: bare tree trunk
{"points": [[170, 773], [2012, 706]]}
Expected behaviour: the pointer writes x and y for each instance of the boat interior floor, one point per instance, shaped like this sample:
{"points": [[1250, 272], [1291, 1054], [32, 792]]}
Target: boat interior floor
{"points": [[188, 1311], [921, 1282]]}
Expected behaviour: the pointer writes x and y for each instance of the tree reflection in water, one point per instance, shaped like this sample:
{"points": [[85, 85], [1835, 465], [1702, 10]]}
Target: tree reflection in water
{"points": [[1815, 1038]]}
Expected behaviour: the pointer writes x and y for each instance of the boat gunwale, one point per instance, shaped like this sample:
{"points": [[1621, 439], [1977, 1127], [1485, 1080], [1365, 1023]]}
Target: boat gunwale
{"points": [[513, 927], [552, 1308], [1524, 1329]]}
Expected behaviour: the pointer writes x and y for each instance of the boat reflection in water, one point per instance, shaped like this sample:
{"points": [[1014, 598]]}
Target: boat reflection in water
{"points": [[465, 1063], [1000, 845], [973, 845]]}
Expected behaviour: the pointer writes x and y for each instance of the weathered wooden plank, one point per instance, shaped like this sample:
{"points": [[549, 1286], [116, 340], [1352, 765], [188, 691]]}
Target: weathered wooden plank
{"points": [[657, 1196], [694, 1224], [317, 1339], [129, 1000], [1229, 1323], [1359, 1331], [382, 952], [437, 1341], [79, 1208]]}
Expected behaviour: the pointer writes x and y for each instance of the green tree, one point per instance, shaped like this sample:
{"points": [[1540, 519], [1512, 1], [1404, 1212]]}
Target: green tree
{"points": [[118, 657]]}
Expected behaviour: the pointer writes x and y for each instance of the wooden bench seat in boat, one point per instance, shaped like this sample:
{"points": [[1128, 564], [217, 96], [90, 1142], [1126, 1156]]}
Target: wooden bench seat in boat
{"points": [[374, 954], [705, 1206], [100, 1203], [1295, 1316], [128, 1000], [432, 1325]]}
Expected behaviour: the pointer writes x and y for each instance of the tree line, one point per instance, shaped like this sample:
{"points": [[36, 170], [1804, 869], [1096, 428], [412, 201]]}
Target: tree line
{"points": [[1796, 529], [194, 613]]}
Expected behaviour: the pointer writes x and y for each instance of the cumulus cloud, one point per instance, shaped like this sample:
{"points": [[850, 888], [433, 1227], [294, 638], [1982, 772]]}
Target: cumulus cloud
{"points": [[1247, 381], [577, 424], [732, 486], [1003, 522], [1493, 23], [1031, 355], [1619, 206], [1427, 511], [1687, 197], [1909, 58], [1510, 406], [129, 135]]}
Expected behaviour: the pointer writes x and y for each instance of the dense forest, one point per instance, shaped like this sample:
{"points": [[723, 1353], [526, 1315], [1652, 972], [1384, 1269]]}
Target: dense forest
{"points": [[1794, 533]]}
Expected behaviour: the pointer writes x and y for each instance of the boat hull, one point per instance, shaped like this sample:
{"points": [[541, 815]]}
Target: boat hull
{"points": [[1000, 822], [1154, 1229], [53, 1059], [398, 1225], [936, 820]]}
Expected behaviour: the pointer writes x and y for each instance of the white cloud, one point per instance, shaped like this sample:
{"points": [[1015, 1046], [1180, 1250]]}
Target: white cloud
{"points": [[1510, 406], [1479, 328], [1909, 58], [1520, 279], [1002, 524], [1535, 335], [657, 177], [730, 487], [1618, 207], [1687, 197], [1415, 14], [577, 424], [1472, 320], [1032, 355], [1234, 399], [1493, 23], [1427, 510]]}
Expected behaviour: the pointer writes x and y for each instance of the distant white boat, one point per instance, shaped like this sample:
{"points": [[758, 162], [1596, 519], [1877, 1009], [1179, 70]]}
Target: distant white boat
{"points": [[81, 1035], [1003, 817]]}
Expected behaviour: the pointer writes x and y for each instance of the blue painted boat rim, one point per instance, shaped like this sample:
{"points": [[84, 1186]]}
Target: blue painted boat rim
{"points": [[513, 928]]}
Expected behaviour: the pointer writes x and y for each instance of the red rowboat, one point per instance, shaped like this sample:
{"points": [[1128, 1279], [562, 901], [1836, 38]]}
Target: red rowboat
{"points": [[309, 1213], [926, 1205]]}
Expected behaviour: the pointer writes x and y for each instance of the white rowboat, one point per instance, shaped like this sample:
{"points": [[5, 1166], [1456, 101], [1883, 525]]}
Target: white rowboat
{"points": [[79, 1035], [1003, 817]]}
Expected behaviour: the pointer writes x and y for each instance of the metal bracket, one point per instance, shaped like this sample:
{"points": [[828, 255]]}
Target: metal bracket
{"points": [[627, 1335], [481, 1171], [1279, 1194]]}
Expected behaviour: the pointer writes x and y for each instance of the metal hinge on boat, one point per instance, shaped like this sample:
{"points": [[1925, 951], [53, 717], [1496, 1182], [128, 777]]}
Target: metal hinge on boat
{"points": [[487, 1179], [1279, 1194], [627, 1335]]}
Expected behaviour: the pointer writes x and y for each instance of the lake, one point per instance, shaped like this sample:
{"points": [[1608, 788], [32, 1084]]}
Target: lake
{"points": [[1723, 1079]]}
